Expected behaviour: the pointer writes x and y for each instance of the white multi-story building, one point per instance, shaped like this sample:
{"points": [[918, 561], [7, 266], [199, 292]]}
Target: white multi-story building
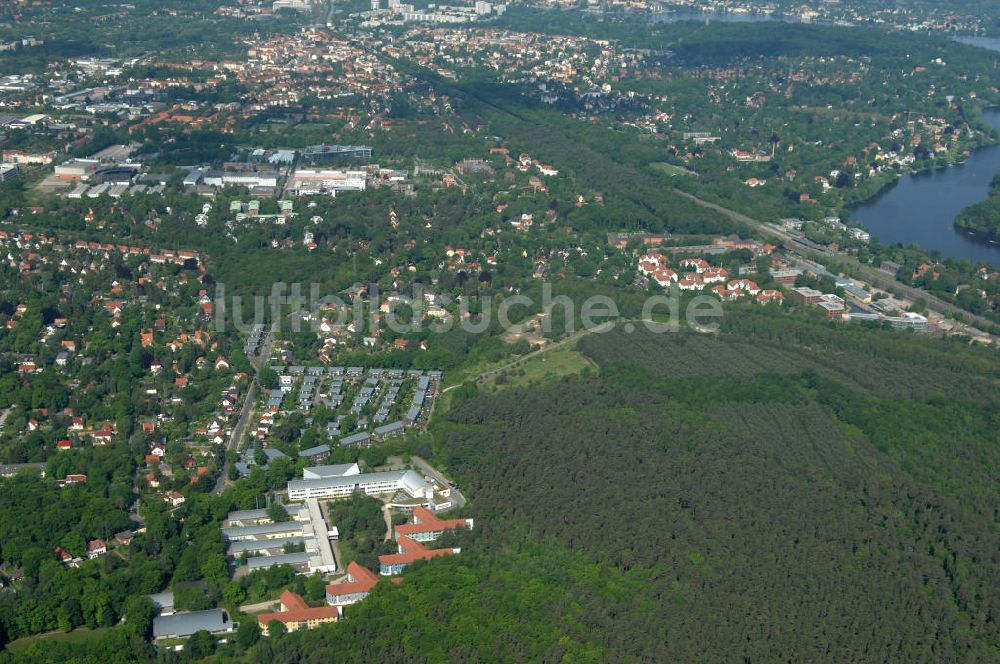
{"points": [[308, 182], [19, 157], [224, 178], [372, 484]]}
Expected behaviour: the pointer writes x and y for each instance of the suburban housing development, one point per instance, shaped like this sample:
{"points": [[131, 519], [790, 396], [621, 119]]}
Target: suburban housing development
{"points": [[486, 330]]}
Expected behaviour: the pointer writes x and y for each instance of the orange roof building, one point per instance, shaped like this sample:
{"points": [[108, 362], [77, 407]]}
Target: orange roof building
{"points": [[360, 581], [410, 551], [426, 527], [296, 614]]}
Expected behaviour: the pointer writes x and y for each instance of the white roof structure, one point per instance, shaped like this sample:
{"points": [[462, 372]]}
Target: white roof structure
{"points": [[337, 470], [369, 483]]}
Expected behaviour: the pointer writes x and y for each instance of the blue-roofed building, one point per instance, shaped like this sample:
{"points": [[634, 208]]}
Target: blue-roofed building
{"points": [[356, 440], [412, 415], [315, 454], [391, 429], [272, 454]]}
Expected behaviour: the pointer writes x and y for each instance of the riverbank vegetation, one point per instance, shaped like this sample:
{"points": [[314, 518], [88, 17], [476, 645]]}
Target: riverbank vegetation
{"points": [[983, 219]]}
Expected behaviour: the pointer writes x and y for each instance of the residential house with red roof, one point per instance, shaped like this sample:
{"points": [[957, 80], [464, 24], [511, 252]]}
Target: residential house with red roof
{"points": [[96, 548], [103, 435], [770, 295], [664, 276], [174, 499], [744, 285], [67, 558], [78, 478], [699, 265], [690, 282], [715, 275]]}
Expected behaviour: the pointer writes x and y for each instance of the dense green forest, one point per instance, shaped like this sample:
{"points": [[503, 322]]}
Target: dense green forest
{"points": [[787, 492]]}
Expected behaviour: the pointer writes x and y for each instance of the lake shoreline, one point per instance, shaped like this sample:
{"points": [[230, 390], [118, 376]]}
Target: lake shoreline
{"points": [[886, 186], [978, 236], [922, 207], [929, 224]]}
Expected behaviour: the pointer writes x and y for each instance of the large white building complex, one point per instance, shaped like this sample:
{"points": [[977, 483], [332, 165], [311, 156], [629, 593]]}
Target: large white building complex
{"points": [[308, 182], [320, 483]]}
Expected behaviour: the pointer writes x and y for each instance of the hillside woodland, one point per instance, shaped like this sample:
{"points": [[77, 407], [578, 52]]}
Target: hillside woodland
{"points": [[791, 493]]}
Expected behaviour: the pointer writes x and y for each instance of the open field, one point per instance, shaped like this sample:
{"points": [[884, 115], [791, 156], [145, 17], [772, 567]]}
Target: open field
{"points": [[562, 361], [670, 169]]}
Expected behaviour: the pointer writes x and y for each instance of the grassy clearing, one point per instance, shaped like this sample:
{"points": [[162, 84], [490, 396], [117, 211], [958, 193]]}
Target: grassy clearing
{"points": [[670, 169], [559, 362]]}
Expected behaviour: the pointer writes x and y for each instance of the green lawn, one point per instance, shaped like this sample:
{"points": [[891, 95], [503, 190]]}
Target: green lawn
{"points": [[78, 635], [669, 169]]}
